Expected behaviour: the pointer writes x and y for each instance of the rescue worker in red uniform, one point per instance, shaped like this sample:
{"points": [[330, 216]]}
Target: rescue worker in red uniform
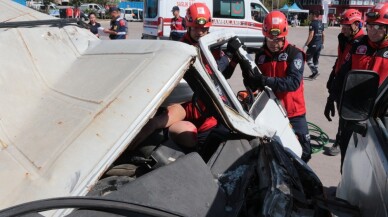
{"points": [[351, 32], [282, 65], [178, 25], [191, 124], [118, 26], [198, 21], [369, 53]]}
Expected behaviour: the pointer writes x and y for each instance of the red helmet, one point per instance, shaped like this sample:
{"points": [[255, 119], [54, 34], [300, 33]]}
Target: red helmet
{"points": [[350, 16], [379, 14], [198, 15], [275, 25]]}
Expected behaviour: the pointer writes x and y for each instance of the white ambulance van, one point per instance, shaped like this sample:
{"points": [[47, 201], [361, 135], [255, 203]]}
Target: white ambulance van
{"points": [[243, 17]]}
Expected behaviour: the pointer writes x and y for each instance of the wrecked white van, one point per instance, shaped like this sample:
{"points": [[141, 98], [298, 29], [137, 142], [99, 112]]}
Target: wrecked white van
{"points": [[72, 104]]}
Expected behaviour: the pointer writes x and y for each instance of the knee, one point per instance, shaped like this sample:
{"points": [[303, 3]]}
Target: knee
{"points": [[183, 133]]}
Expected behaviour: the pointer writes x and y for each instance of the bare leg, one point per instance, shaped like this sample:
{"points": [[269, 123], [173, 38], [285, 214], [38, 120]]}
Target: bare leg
{"points": [[173, 114], [183, 133]]}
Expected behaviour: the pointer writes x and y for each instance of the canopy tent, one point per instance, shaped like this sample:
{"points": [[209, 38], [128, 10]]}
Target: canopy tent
{"points": [[292, 9]]}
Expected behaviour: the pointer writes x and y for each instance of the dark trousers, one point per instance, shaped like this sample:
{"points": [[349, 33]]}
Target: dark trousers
{"points": [[299, 125], [312, 57], [343, 137], [175, 36]]}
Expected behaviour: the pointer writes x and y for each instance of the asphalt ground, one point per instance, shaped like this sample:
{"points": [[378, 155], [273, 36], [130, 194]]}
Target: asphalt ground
{"points": [[326, 167]]}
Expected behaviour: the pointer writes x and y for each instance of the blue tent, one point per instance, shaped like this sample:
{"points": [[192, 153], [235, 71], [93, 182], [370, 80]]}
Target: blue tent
{"points": [[292, 9]]}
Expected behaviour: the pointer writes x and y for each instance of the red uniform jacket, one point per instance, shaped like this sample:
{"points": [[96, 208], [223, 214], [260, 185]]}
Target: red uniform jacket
{"points": [[285, 74], [344, 47], [371, 56], [178, 25]]}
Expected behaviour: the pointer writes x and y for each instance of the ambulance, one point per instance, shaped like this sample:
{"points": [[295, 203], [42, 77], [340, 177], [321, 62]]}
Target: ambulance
{"points": [[243, 17]]}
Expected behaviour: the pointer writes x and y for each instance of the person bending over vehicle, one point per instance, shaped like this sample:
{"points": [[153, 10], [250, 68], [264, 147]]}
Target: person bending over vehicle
{"points": [[194, 117], [282, 65]]}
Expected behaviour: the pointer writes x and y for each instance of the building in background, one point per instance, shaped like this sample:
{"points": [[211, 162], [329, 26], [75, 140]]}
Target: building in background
{"points": [[336, 7]]}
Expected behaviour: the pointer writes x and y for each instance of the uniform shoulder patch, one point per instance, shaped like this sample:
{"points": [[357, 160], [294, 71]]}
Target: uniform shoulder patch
{"points": [[298, 63], [122, 23], [385, 54], [283, 57], [361, 49]]}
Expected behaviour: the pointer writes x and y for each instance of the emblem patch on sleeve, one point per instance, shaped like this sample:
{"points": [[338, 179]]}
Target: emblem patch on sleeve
{"points": [[298, 63]]}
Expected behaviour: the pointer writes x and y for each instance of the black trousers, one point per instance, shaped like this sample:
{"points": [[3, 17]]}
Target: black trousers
{"points": [[312, 57], [342, 138], [299, 125]]}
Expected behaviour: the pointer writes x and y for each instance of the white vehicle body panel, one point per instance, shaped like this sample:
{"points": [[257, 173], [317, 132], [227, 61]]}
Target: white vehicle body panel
{"points": [[364, 180], [246, 28], [63, 124]]}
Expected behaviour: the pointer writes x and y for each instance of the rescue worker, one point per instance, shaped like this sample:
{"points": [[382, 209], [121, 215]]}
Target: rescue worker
{"points": [[191, 123], [118, 26], [178, 25], [351, 32], [198, 21], [314, 44], [369, 53], [282, 65]]}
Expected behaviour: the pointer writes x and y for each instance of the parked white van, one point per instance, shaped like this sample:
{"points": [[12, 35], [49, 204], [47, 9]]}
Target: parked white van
{"points": [[100, 10], [243, 17], [133, 14]]}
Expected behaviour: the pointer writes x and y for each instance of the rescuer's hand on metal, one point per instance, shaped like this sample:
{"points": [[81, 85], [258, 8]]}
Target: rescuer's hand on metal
{"points": [[233, 45]]}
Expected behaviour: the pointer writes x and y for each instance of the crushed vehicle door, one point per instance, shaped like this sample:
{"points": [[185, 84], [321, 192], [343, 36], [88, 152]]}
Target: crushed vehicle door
{"points": [[266, 118]]}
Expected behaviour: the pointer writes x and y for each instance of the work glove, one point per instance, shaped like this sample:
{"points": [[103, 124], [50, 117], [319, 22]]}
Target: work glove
{"points": [[329, 109], [233, 45], [255, 82], [330, 81]]}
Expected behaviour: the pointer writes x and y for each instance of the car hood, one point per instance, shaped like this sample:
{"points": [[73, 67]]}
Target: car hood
{"points": [[72, 103]]}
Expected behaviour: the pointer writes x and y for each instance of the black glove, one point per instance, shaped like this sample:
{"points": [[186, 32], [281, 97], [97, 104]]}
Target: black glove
{"points": [[329, 108], [255, 82], [329, 83], [233, 45]]}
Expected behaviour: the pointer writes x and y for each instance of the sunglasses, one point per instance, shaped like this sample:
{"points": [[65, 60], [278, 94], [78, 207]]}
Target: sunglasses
{"points": [[375, 26]]}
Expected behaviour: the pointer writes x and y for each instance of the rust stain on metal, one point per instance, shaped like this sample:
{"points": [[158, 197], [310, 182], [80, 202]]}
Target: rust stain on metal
{"points": [[27, 174], [103, 109], [97, 134], [60, 123], [148, 90]]}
